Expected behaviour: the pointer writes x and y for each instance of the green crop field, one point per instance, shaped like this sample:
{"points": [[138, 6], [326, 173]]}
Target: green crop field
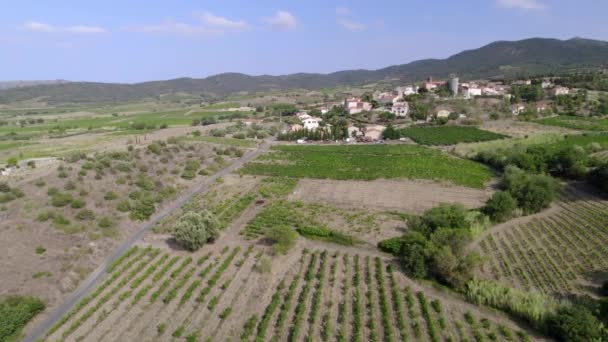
{"points": [[369, 162], [576, 122], [448, 135]]}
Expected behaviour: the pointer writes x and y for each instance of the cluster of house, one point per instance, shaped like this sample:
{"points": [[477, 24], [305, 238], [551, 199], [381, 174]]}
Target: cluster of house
{"points": [[366, 133]]}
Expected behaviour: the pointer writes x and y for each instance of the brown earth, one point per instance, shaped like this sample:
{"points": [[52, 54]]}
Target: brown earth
{"points": [[389, 195]]}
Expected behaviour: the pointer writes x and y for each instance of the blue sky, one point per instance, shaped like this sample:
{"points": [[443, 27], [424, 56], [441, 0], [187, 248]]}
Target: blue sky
{"points": [[132, 41]]}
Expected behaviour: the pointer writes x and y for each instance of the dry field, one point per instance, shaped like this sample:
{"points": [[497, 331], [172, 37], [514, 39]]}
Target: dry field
{"points": [[561, 251], [388, 195], [73, 215]]}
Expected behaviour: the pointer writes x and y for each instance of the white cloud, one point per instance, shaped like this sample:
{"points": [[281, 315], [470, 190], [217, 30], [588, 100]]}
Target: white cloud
{"points": [[35, 26], [351, 25], [282, 20], [343, 10], [214, 21], [173, 27], [528, 5]]}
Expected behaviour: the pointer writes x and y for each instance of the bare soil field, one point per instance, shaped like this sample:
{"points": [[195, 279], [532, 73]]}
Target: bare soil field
{"points": [[388, 195], [521, 129]]}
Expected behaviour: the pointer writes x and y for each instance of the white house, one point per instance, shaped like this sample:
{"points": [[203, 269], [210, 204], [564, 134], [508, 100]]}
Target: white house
{"points": [[400, 109], [443, 113], [311, 123], [557, 91], [324, 110], [471, 92], [545, 84], [407, 90]]}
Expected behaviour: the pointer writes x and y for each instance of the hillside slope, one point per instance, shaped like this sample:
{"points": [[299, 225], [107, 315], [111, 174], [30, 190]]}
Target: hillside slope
{"points": [[498, 59]]}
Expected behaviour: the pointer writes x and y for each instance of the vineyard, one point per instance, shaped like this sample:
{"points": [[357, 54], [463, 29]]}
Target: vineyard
{"points": [[368, 162], [324, 296], [556, 253], [448, 135], [577, 122]]}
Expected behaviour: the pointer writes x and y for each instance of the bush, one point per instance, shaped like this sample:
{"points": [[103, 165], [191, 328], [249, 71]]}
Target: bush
{"points": [[533, 192], [574, 323], [85, 215], [123, 206], [196, 229], [500, 206], [105, 222], [284, 237], [61, 199], [78, 203], [444, 216], [143, 209], [16, 312], [155, 148], [4, 187], [110, 196], [391, 246], [188, 174]]}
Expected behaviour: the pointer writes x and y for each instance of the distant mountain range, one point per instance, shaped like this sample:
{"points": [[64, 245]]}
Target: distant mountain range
{"points": [[495, 60], [19, 84]]}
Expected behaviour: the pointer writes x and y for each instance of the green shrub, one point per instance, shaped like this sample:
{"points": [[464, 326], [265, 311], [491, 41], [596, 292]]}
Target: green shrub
{"points": [[69, 186], [155, 148], [500, 207], [196, 229], [188, 174], [4, 187], [40, 249], [533, 192], [60, 220], [574, 323], [110, 196], [61, 199], [45, 216], [284, 237], [40, 183], [143, 209], [78, 203], [16, 312], [105, 222], [123, 206], [391, 246], [85, 215]]}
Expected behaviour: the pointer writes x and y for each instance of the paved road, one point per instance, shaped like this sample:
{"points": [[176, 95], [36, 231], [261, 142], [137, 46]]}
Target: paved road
{"points": [[100, 273]]}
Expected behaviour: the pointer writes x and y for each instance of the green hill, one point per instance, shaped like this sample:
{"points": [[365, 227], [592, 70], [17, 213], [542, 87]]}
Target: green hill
{"points": [[498, 59]]}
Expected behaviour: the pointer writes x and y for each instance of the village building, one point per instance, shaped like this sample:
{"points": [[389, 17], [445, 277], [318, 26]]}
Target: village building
{"points": [[443, 113], [400, 109], [311, 123], [354, 105], [559, 91]]}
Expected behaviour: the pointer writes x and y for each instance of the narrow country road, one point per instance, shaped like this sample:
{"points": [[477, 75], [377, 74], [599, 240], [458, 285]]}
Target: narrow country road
{"points": [[100, 273]]}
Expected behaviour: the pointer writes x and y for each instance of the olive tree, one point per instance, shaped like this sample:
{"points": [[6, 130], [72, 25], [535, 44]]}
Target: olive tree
{"points": [[195, 229]]}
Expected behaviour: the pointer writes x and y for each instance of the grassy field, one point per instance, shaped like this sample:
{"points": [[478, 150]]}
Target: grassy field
{"points": [[368, 162], [448, 135], [577, 122]]}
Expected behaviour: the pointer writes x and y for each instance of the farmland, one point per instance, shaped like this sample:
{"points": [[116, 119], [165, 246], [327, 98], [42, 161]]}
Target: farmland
{"points": [[323, 295], [448, 135], [368, 163], [556, 252], [577, 122]]}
